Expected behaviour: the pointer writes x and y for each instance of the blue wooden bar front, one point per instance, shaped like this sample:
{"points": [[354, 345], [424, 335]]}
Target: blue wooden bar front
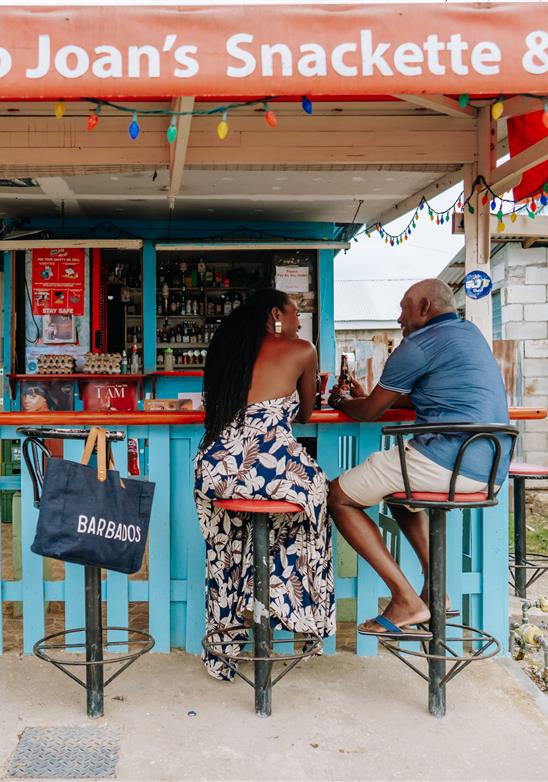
{"points": [[477, 545]]}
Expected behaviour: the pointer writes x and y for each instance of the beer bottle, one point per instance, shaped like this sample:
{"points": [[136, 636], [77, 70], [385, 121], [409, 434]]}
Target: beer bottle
{"points": [[344, 377]]}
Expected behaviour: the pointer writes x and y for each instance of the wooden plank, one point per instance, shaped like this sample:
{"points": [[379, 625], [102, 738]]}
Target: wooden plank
{"points": [[177, 152], [159, 539], [117, 594], [440, 103], [195, 619], [74, 574], [33, 582], [500, 176]]}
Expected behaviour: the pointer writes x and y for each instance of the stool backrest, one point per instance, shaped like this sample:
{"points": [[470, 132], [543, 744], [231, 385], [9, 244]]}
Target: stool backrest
{"points": [[474, 433]]}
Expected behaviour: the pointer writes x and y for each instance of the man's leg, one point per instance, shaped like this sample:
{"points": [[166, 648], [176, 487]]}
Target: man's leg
{"points": [[405, 607], [415, 528]]}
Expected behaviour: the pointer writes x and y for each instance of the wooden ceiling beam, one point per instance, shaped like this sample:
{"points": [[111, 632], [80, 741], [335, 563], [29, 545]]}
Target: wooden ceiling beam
{"points": [[440, 103], [178, 150]]}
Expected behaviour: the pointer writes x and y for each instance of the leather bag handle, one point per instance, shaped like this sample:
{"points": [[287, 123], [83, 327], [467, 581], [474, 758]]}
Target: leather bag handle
{"points": [[98, 438], [90, 445]]}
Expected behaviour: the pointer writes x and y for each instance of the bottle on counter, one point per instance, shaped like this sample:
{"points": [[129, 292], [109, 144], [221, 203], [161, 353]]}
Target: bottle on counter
{"points": [[344, 377], [168, 360], [135, 363], [123, 363]]}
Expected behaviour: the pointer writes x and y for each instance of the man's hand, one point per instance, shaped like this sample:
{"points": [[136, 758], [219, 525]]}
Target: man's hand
{"points": [[357, 391]]}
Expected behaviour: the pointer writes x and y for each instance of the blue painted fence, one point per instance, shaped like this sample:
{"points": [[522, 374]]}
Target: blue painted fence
{"points": [[174, 589]]}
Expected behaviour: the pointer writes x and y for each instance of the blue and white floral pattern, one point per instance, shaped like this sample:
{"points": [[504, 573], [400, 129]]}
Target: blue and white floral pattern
{"points": [[262, 460]]}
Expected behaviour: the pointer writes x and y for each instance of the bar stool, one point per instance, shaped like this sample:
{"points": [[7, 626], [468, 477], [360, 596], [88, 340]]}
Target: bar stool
{"points": [[438, 504], [35, 452], [263, 656], [519, 562]]}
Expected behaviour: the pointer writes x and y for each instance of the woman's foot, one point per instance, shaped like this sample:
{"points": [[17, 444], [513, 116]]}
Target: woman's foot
{"points": [[401, 613]]}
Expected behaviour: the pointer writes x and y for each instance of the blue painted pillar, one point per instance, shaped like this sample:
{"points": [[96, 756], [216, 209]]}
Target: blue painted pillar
{"points": [[149, 306], [7, 327], [326, 312]]}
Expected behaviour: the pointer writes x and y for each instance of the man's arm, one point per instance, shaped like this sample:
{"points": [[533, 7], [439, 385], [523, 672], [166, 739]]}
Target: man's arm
{"points": [[367, 408]]}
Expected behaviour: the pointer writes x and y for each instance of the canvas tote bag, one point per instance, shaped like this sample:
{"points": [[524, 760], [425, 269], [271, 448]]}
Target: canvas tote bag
{"points": [[89, 515]]}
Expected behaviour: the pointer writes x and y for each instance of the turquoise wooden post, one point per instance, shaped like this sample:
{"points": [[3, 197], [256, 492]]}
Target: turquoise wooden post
{"points": [[326, 315], [7, 328], [159, 592], [494, 594], [33, 566], [75, 594], [181, 495], [149, 306], [195, 610], [369, 587], [117, 595], [328, 457]]}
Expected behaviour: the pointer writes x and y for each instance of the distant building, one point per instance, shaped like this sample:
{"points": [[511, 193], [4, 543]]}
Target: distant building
{"points": [[519, 269], [366, 325]]}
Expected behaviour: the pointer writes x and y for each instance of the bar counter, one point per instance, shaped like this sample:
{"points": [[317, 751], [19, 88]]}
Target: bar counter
{"points": [[172, 584], [324, 416]]}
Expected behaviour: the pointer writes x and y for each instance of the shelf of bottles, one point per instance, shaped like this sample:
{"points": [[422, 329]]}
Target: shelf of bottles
{"points": [[193, 295]]}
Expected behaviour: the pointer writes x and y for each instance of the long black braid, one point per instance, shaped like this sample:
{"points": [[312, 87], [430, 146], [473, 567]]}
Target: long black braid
{"points": [[230, 360]]}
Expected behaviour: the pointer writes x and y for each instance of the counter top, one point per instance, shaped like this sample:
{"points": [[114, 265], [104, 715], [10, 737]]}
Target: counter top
{"points": [[142, 418]]}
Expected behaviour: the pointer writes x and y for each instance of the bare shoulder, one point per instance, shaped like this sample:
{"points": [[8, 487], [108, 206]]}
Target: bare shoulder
{"points": [[302, 347]]}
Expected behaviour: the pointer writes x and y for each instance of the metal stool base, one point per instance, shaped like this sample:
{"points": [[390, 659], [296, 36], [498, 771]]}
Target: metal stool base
{"points": [[214, 641], [474, 635], [42, 647], [538, 563]]}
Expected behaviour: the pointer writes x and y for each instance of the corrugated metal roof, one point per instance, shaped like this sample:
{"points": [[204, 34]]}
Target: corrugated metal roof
{"points": [[369, 300]]}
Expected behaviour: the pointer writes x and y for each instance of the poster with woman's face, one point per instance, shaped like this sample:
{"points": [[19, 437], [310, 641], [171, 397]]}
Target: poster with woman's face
{"points": [[47, 395]]}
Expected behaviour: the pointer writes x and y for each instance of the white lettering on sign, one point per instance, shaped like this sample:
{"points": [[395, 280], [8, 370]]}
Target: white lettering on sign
{"points": [[363, 55]]}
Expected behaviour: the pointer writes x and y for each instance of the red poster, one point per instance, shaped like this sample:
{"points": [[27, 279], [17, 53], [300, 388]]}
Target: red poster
{"points": [[58, 282], [105, 395]]}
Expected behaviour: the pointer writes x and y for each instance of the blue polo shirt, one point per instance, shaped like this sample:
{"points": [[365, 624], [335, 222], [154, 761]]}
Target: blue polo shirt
{"points": [[451, 375]]}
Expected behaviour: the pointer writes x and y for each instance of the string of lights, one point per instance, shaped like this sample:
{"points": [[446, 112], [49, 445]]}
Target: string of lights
{"points": [[482, 190], [134, 129]]}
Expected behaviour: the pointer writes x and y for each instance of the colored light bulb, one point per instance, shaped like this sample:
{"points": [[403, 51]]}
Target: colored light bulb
{"points": [[222, 128], [463, 99], [93, 119], [543, 200], [493, 205], [171, 132], [306, 104], [500, 226], [499, 215], [497, 109], [270, 118], [134, 128], [533, 206], [513, 217], [484, 199], [59, 109]]}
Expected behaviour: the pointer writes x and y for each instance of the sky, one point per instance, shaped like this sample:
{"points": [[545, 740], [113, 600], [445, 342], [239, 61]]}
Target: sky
{"points": [[427, 251]]}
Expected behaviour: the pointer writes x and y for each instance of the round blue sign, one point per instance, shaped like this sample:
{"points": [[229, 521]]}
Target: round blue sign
{"points": [[477, 284]]}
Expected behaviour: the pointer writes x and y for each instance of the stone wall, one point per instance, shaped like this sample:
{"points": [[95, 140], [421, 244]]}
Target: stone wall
{"points": [[524, 299]]}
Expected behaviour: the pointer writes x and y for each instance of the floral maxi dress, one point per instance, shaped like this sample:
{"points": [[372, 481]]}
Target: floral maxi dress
{"points": [[262, 459]]}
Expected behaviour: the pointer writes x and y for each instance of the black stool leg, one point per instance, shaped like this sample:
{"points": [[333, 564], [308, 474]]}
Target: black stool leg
{"points": [[94, 643], [520, 548], [261, 615], [436, 578]]}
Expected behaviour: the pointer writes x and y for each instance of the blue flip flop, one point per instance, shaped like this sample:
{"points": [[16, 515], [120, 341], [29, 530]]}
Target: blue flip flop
{"points": [[393, 631]]}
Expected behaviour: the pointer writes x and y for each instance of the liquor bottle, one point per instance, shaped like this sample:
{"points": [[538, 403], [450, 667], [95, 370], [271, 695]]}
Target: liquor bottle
{"points": [[134, 360], [179, 334], [201, 270], [165, 297], [123, 363], [201, 303], [236, 301], [209, 278], [344, 377], [227, 307]]}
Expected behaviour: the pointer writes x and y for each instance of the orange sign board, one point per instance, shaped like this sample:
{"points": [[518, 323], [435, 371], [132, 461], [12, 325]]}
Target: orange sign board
{"points": [[254, 51]]}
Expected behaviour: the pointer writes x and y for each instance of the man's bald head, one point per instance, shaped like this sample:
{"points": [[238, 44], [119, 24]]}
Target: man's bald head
{"points": [[423, 301]]}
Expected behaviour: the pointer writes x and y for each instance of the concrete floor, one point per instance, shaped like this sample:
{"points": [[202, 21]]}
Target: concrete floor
{"points": [[335, 718]]}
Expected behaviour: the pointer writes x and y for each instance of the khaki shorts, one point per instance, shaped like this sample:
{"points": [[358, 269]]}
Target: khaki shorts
{"points": [[380, 475]]}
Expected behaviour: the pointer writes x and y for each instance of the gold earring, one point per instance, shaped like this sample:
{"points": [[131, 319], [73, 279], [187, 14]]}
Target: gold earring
{"points": [[277, 326]]}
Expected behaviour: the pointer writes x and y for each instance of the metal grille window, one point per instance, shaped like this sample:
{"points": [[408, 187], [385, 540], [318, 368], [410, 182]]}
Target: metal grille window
{"points": [[497, 315]]}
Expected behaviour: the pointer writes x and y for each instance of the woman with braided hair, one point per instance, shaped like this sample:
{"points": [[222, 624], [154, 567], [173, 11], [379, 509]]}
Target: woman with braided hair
{"points": [[259, 377]]}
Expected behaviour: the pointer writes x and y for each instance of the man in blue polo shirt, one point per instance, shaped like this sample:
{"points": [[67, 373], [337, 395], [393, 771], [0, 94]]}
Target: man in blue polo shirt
{"points": [[445, 369]]}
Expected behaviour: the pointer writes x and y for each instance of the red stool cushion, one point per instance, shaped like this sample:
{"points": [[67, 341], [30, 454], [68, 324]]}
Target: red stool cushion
{"points": [[259, 506], [522, 470], [431, 496]]}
